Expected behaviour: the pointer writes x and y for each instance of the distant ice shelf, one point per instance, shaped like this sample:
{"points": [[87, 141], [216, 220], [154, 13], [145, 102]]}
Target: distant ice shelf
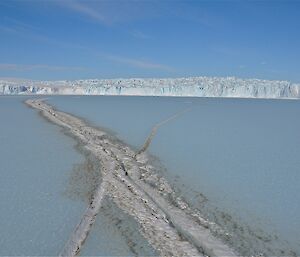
{"points": [[190, 86]]}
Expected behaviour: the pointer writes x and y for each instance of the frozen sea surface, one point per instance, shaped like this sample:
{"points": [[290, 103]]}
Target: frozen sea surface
{"points": [[237, 160], [36, 217], [42, 184]]}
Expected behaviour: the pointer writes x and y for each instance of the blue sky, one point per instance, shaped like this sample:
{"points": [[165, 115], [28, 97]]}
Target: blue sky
{"points": [[64, 39]]}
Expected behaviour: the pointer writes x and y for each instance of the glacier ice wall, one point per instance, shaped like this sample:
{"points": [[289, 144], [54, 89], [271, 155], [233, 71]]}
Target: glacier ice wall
{"points": [[192, 86]]}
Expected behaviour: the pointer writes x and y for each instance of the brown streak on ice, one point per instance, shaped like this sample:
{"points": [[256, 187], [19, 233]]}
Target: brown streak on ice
{"points": [[156, 127]]}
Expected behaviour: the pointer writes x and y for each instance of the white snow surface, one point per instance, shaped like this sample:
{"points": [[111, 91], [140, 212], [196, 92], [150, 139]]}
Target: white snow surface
{"points": [[190, 86]]}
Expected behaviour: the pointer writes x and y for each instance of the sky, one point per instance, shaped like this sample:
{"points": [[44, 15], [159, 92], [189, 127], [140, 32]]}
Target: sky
{"points": [[80, 39]]}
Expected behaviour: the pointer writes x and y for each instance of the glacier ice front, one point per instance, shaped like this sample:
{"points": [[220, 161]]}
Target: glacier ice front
{"points": [[192, 86]]}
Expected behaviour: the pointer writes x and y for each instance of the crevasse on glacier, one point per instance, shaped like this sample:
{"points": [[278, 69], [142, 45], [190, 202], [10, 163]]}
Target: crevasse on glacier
{"points": [[192, 86]]}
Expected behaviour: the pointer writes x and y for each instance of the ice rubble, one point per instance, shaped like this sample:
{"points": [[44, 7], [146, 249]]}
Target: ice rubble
{"points": [[192, 86]]}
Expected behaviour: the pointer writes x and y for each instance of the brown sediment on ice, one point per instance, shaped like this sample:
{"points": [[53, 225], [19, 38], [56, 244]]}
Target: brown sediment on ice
{"points": [[156, 127], [84, 178], [172, 228]]}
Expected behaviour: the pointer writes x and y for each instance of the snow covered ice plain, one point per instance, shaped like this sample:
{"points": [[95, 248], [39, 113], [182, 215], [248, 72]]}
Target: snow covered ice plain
{"points": [[225, 157], [235, 160], [43, 191], [129, 179], [35, 162]]}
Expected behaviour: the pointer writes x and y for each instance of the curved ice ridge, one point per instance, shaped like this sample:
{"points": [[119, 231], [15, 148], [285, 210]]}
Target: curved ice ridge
{"points": [[156, 127], [191, 86], [173, 230]]}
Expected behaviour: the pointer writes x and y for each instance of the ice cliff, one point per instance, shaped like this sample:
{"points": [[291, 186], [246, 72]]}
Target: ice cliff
{"points": [[193, 86]]}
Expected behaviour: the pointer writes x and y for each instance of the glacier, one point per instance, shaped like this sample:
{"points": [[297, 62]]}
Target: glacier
{"points": [[189, 86]]}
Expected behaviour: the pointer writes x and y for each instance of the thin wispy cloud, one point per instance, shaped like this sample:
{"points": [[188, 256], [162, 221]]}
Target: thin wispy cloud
{"points": [[8, 29], [20, 24], [29, 67], [139, 35], [112, 12], [139, 63], [11, 25], [85, 10], [20, 29]]}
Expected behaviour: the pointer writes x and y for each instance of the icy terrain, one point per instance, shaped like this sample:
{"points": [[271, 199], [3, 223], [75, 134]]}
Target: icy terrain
{"points": [[193, 86]]}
